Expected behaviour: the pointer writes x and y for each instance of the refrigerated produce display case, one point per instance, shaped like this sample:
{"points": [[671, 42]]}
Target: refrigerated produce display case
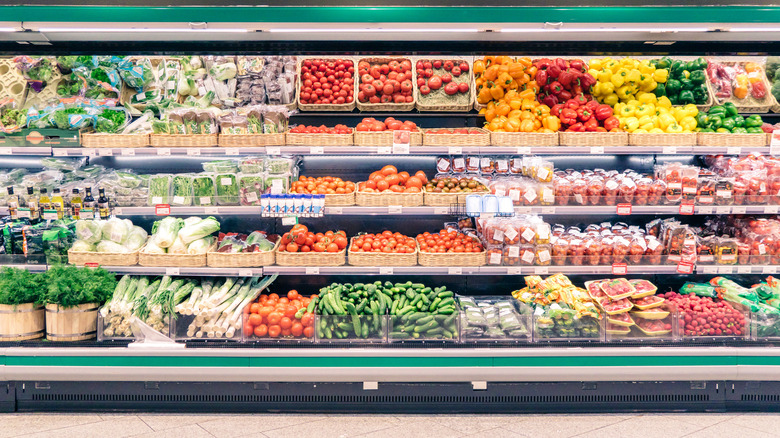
{"points": [[561, 209]]}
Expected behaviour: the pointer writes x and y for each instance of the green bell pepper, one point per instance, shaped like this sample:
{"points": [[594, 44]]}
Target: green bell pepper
{"points": [[755, 130], [673, 87], [728, 123], [704, 130], [698, 77], [677, 68], [753, 121], [700, 95], [717, 110], [686, 84], [660, 90], [731, 109], [674, 98], [739, 131], [739, 121], [716, 121], [701, 64], [702, 120], [686, 97], [723, 131], [664, 62]]}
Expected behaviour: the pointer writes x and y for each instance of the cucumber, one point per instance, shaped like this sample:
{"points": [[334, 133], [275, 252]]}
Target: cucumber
{"points": [[435, 303], [312, 305], [409, 294], [446, 294], [399, 335]]}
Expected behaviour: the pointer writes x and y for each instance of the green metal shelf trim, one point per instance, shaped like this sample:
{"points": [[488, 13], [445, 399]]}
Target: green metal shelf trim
{"points": [[226, 14]]}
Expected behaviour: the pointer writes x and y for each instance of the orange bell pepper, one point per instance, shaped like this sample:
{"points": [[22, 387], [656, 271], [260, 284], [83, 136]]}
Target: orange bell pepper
{"points": [[542, 111], [537, 124], [514, 103], [514, 114], [496, 92], [503, 108], [512, 125], [484, 96], [529, 104], [552, 123], [526, 126], [533, 86], [526, 115], [532, 71], [516, 70], [526, 61], [491, 73], [527, 95], [479, 67], [504, 79], [490, 114]]}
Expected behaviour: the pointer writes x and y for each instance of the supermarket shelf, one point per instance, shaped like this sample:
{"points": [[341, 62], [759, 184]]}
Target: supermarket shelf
{"points": [[384, 150], [737, 269]]}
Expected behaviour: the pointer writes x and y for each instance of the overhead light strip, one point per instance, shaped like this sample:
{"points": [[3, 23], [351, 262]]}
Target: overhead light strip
{"points": [[605, 29], [7, 29], [382, 30], [132, 30]]}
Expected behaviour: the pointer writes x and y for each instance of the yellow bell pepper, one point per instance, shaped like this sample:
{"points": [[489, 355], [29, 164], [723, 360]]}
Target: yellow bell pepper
{"points": [[552, 123], [611, 99], [633, 102], [607, 88], [624, 92], [674, 128], [496, 92], [648, 86], [526, 126], [633, 76], [542, 111], [512, 125], [646, 68], [630, 124], [595, 64], [664, 101], [641, 130], [644, 110], [528, 104], [482, 111], [656, 131], [688, 123], [612, 65], [618, 107], [646, 98], [661, 75], [646, 120], [594, 72], [678, 113], [595, 90], [627, 111], [691, 110], [665, 120], [661, 110]]}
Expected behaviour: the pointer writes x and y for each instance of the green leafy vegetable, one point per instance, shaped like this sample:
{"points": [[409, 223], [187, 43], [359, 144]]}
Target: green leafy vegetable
{"points": [[69, 286], [19, 286]]}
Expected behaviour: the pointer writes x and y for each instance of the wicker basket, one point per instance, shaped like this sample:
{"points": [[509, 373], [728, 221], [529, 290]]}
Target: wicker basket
{"points": [[184, 140], [250, 140], [377, 107], [665, 139], [435, 199], [284, 258], [337, 200], [99, 140], [481, 139], [327, 107], [241, 259], [452, 258], [298, 139], [469, 79], [384, 199], [381, 258], [103, 258], [174, 260], [519, 139], [384, 138], [728, 140], [593, 138]]}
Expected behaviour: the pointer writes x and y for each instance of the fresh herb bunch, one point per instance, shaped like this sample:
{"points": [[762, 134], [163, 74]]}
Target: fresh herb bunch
{"points": [[12, 117], [19, 286], [61, 118], [42, 71], [69, 286], [110, 121]]}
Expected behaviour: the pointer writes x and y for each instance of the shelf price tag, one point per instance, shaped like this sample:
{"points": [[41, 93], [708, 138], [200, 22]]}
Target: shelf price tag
{"points": [[118, 211], [739, 209], [709, 269], [106, 152], [335, 210], [455, 151], [273, 150], [395, 209], [541, 271], [725, 269], [193, 152], [289, 220], [769, 270], [385, 271], [91, 265], [735, 150], [684, 268], [6, 151], [744, 269], [669, 150], [514, 271], [454, 271], [722, 210], [231, 151], [171, 271], [162, 209], [127, 152], [245, 273], [384, 150], [771, 209], [686, 208], [548, 210], [706, 210], [623, 209], [163, 152], [88, 153], [619, 269], [441, 210], [597, 150], [400, 149], [316, 150], [211, 210], [524, 150], [312, 270], [59, 152]]}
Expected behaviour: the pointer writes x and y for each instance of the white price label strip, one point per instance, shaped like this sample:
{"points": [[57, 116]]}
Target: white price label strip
{"points": [[317, 150], [245, 273], [725, 269], [89, 153], [541, 271], [385, 271], [400, 149], [736, 150], [454, 271], [514, 271], [597, 150], [312, 271], [441, 210], [455, 151], [670, 150], [193, 152], [739, 210], [128, 152], [706, 210], [6, 151], [211, 210], [289, 220], [163, 152], [548, 210], [231, 151], [171, 271], [273, 151], [335, 210], [395, 209], [524, 150], [60, 152], [722, 210], [106, 152], [384, 150], [709, 269], [769, 270], [770, 209], [744, 269]]}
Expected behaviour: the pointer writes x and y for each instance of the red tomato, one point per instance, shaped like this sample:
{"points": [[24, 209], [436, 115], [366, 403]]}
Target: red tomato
{"points": [[434, 83]]}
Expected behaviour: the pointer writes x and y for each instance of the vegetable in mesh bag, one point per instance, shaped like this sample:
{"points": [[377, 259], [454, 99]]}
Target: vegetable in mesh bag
{"points": [[89, 231], [164, 231], [199, 230]]}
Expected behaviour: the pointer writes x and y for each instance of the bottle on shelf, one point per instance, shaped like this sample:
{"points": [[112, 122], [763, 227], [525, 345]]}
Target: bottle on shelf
{"points": [[57, 203], [75, 204], [103, 206], [88, 206], [44, 202], [13, 203], [32, 204]]}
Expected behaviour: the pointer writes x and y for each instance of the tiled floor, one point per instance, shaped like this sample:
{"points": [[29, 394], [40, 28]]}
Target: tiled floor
{"points": [[395, 426]]}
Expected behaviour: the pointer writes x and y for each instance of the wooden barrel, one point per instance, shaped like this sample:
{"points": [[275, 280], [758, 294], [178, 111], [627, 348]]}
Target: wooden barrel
{"points": [[21, 322], [71, 323]]}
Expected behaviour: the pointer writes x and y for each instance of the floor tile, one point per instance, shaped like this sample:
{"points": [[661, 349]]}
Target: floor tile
{"points": [[191, 431], [498, 432], [170, 421], [102, 429], [471, 424], [764, 422], [641, 427], [233, 426], [561, 426], [697, 419], [17, 424], [335, 427], [727, 428], [416, 429]]}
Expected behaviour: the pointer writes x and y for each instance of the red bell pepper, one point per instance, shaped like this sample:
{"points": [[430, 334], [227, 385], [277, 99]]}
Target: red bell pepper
{"points": [[603, 112], [566, 78], [591, 124], [571, 103], [564, 95], [555, 110], [577, 127], [554, 71], [583, 114], [562, 63], [577, 64], [542, 77], [587, 80], [581, 99], [543, 64], [592, 105], [758, 90], [550, 100], [556, 88], [568, 116], [611, 123]]}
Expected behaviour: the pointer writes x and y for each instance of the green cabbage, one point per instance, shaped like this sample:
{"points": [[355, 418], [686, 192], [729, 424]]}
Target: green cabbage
{"points": [[89, 231], [199, 230], [166, 230]]}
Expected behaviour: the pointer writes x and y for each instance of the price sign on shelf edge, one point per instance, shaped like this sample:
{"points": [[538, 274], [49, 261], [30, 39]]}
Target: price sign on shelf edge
{"points": [[162, 210], [619, 269], [623, 209]]}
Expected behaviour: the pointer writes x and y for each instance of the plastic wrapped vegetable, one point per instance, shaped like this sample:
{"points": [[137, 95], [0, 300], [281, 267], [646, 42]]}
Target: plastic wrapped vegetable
{"points": [[251, 165], [166, 230], [250, 188], [181, 190], [277, 184], [280, 165], [159, 186], [227, 189], [89, 231], [136, 238], [116, 230], [83, 246], [203, 192], [112, 120], [198, 230], [221, 166]]}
